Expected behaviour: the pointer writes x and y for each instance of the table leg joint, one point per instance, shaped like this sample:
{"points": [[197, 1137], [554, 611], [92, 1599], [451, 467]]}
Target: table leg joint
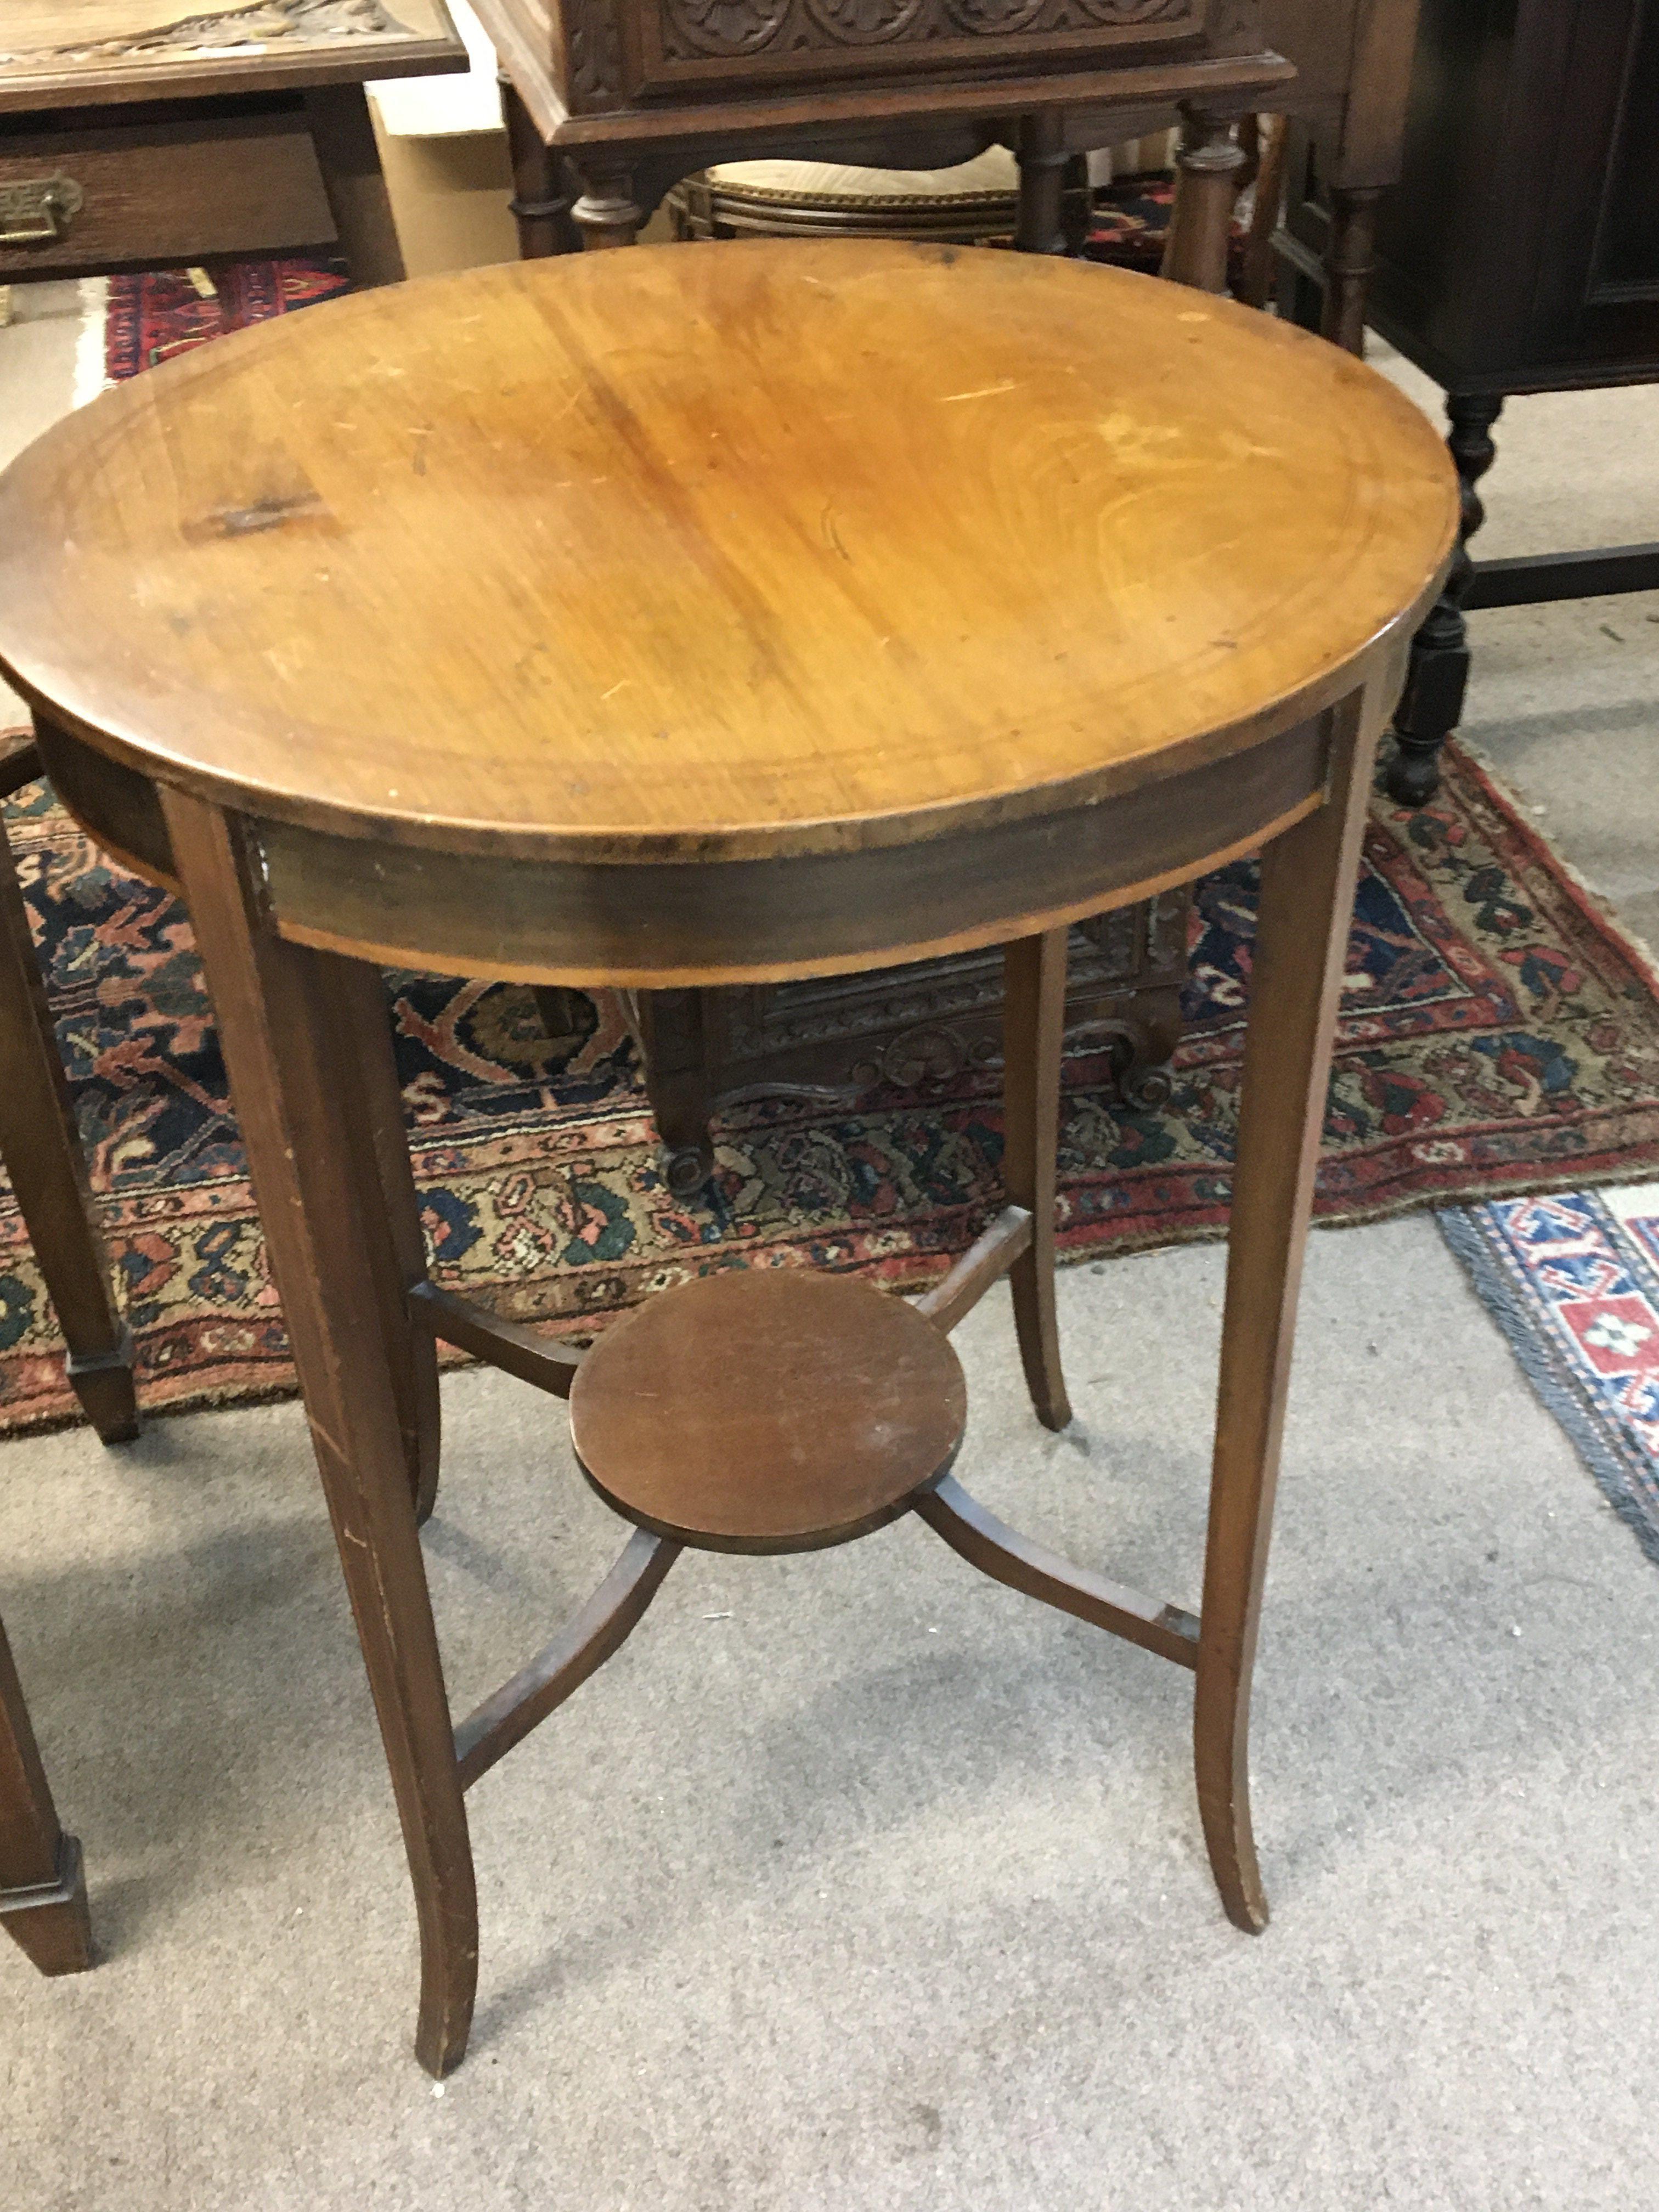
{"points": [[986, 1261], [580, 1649], [1007, 1556], [505, 1344]]}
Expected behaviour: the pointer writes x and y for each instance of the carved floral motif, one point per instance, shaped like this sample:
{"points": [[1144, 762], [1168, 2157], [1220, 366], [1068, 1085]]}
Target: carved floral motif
{"points": [[727, 27], [595, 48], [994, 18], [1115, 12], [864, 23]]}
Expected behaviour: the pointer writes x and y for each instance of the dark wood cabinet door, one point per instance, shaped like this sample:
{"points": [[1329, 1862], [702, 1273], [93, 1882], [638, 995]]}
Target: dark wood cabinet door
{"points": [[1600, 294], [1521, 249]]}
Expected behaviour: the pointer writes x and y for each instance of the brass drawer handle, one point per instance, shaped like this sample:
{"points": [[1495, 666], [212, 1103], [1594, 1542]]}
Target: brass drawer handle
{"points": [[38, 211]]}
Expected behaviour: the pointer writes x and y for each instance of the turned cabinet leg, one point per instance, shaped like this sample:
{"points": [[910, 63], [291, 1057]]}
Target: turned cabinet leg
{"points": [[43, 1890], [1033, 1035], [1209, 170], [1432, 704], [607, 214], [42, 1155], [1040, 226], [350, 162], [1350, 260], [1142, 1057], [1302, 935], [541, 197], [282, 1011], [1272, 146]]}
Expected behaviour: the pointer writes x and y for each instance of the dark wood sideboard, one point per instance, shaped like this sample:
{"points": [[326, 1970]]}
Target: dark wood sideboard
{"points": [[1519, 254]]}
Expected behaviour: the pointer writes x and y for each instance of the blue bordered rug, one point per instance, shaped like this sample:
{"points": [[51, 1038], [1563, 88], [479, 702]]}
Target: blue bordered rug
{"points": [[1573, 1282]]}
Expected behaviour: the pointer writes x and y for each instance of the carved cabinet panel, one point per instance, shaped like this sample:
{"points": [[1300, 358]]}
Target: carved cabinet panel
{"points": [[689, 42], [724, 71]]}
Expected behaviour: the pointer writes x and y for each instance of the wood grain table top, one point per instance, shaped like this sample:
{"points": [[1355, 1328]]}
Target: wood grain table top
{"points": [[64, 53], [689, 554]]}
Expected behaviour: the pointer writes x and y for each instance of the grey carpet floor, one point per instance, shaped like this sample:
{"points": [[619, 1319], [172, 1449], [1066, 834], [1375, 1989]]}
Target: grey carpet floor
{"points": [[854, 1881]]}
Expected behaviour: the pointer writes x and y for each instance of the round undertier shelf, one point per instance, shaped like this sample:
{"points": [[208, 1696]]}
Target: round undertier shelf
{"points": [[767, 1410]]}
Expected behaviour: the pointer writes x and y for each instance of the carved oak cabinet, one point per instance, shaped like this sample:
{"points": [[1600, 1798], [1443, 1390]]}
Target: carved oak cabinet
{"points": [[635, 94]]}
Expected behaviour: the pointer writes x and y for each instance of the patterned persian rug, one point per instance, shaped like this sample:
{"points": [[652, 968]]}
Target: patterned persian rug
{"points": [[1499, 1036], [149, 318], [1573, 1282]]}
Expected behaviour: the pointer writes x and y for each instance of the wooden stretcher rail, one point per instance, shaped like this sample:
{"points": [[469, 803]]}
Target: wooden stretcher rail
{"points": [[985, 1262], [1007, 1556], [582, 1646], [505, 1344]]}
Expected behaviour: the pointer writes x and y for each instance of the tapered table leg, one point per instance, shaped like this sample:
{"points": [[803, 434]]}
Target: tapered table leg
{"points": [[1302, 935], [43, 1892], [285, 1017], [42, 1155], [398, 1248], [1033, 1030]]}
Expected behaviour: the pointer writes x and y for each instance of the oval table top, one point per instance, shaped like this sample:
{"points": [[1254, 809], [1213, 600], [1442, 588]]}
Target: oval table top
{"points": [[772, 548]]}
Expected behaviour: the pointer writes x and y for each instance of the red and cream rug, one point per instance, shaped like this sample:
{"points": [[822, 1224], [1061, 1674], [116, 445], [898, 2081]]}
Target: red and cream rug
{"points": [[1572, 1280]]}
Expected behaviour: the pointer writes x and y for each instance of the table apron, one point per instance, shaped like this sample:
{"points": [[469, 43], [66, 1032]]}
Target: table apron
{"points": [[664, 926], [660, 925], [719, 922]]}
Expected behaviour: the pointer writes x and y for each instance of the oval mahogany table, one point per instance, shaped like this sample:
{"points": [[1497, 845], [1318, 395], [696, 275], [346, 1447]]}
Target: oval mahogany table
{"points": [[701, 617]]}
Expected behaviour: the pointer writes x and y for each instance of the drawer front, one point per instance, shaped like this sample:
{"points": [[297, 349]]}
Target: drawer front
{"points": [[78, 202], [707, 43]]}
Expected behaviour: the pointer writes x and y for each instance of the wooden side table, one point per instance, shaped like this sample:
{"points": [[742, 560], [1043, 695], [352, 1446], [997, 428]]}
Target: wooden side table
{"points": [[629, 96], [443, 596], [1347, 113], [148, 134]]}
